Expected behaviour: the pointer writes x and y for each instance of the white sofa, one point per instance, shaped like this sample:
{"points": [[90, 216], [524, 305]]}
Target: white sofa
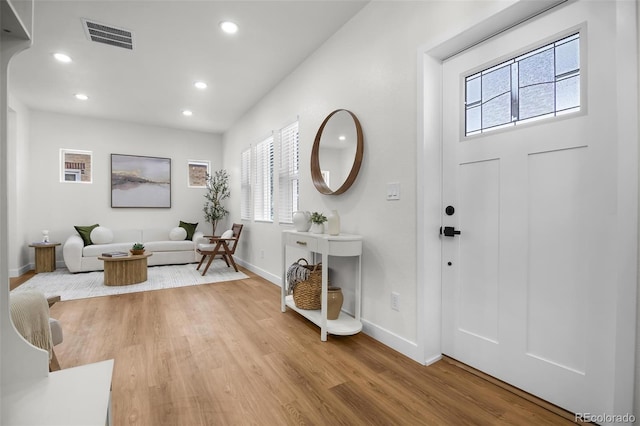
{"points": [[81, 258]]}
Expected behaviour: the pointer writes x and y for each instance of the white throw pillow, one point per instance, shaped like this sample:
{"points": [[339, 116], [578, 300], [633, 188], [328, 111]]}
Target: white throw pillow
{"points": [[227, 234], [178, 234], [101, 235]]}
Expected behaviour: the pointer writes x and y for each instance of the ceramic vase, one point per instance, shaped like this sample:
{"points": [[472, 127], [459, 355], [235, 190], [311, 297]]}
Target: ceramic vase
{"points": [[333, 221], [334, 302], [317, 228], [302, 220]]}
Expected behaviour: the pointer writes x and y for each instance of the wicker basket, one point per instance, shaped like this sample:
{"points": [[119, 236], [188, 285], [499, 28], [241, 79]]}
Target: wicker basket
{"points": [[307, 294]]}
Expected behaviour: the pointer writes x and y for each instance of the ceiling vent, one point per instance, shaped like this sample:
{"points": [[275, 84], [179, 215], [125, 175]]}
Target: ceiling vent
{"points": [[108, 34]]}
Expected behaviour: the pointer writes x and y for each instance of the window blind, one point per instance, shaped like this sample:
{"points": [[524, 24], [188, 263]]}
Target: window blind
{"points": [[263, 179], [245, 184], [288, 173]]}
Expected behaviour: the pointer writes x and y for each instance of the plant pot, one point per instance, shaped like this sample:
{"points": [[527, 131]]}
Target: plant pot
{"points": [[317, 228], [334, 302], [136, 252]]}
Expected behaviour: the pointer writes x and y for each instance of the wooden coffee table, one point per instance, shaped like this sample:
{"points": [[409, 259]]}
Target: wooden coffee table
{"points": [[125, 270]]}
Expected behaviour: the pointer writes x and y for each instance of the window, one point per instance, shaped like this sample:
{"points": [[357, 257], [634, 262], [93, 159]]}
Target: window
{"points": [[539, 84], [288, 173], [263, 181], [71, 175], [245, 185], [75, 166]]}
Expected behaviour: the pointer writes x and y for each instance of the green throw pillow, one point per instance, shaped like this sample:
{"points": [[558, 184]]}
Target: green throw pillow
{"points": [[85, 233], [190, 228]]}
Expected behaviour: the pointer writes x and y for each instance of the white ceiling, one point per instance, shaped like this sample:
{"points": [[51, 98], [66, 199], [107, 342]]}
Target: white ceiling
{"points": [[175, 43]]}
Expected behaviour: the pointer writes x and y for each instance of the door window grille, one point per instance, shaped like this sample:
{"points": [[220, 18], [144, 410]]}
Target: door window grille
{"points": [[542, 83]]}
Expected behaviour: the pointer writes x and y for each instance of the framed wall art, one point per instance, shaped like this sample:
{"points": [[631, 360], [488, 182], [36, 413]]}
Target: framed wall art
{"points": [[75, 166], [138, 181], [198, 171]]}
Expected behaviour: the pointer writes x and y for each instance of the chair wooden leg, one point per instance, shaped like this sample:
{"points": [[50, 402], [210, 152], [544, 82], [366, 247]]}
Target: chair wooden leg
{"points": [[201, 260], [54, 365], [233, 263], [208, 264], [224, 256]]}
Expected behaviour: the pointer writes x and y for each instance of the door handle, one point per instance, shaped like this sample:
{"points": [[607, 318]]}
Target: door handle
{"points": [[449, 231]]}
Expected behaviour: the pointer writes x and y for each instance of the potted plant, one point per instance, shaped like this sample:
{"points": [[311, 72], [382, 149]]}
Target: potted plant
{"points": [[137, 248], [317, 223], [217, 191]]}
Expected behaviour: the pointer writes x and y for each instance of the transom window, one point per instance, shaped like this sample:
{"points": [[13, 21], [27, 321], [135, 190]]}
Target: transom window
{"points": [[539, 84]]}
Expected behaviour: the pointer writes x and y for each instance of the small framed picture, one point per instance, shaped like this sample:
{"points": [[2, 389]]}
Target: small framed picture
{"points": [[75, 166], [198, 171]]}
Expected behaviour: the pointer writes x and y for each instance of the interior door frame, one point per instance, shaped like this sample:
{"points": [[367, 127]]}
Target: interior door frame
{"points": [[429, 183]]}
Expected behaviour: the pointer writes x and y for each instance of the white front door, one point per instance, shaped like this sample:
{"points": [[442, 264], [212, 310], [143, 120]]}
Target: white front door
{"points": [[528, 285]]}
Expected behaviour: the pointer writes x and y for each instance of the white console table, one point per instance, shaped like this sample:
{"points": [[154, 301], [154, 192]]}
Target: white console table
{"points": [[74, 396], [326, 245]]}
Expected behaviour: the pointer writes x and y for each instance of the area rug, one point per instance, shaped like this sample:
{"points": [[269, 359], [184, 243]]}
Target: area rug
{"points": [[91, 284]]}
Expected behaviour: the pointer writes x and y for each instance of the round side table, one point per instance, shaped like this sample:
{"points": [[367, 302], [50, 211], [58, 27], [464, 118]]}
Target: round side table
{"points": [[45, 256]]}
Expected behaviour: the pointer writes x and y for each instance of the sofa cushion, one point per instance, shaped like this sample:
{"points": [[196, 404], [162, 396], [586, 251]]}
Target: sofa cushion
{"points": [[85, 233], [56, 331], [127, 236], [155, 234], [190, 228], [101, 235], [155, 246], [96, 250], [178, 234], [227, 234]]}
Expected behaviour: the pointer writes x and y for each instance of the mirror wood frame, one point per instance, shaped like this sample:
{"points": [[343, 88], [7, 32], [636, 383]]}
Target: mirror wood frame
{"points": [[316, 173]]}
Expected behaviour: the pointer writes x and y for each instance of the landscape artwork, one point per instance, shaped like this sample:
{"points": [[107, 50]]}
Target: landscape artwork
{"points": [[138, 181]]}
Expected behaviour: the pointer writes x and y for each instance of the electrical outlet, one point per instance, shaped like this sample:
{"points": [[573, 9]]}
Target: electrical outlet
{"points": [[395, 301]]}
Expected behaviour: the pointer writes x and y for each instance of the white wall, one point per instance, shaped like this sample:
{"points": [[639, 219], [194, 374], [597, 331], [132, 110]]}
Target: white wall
{"points": [[59, 206], [17, 152], [368, 67]]}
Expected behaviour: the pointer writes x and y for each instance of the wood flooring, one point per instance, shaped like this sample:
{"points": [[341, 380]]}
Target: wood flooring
{"points": [[224, 354]]}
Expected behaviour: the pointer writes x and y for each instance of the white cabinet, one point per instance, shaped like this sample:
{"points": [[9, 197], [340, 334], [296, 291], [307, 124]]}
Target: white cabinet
{"points": [[325, 245], [74, 396]]}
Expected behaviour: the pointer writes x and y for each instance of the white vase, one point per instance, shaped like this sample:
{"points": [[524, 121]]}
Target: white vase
{"points": [[317, 228], [333, 220], [302, 220]]}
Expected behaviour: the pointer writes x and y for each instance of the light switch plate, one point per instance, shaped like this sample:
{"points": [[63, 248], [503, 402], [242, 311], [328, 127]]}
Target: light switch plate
{"points": [[393, 191]]}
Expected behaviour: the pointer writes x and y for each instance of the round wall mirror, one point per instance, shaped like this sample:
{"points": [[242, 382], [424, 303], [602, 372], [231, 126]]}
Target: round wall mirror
{"points": [[337, 153]]}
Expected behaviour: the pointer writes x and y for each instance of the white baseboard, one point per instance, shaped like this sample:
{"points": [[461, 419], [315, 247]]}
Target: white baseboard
{"points": [[259, 271], [13, 273], [433, 359], [395, 342]]}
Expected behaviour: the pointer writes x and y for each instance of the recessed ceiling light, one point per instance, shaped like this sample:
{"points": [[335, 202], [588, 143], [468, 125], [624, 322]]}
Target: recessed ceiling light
{"points": [[342, 138], [62, 57], [187, 113], [81, 96], [200, 85], [229, 27]]}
